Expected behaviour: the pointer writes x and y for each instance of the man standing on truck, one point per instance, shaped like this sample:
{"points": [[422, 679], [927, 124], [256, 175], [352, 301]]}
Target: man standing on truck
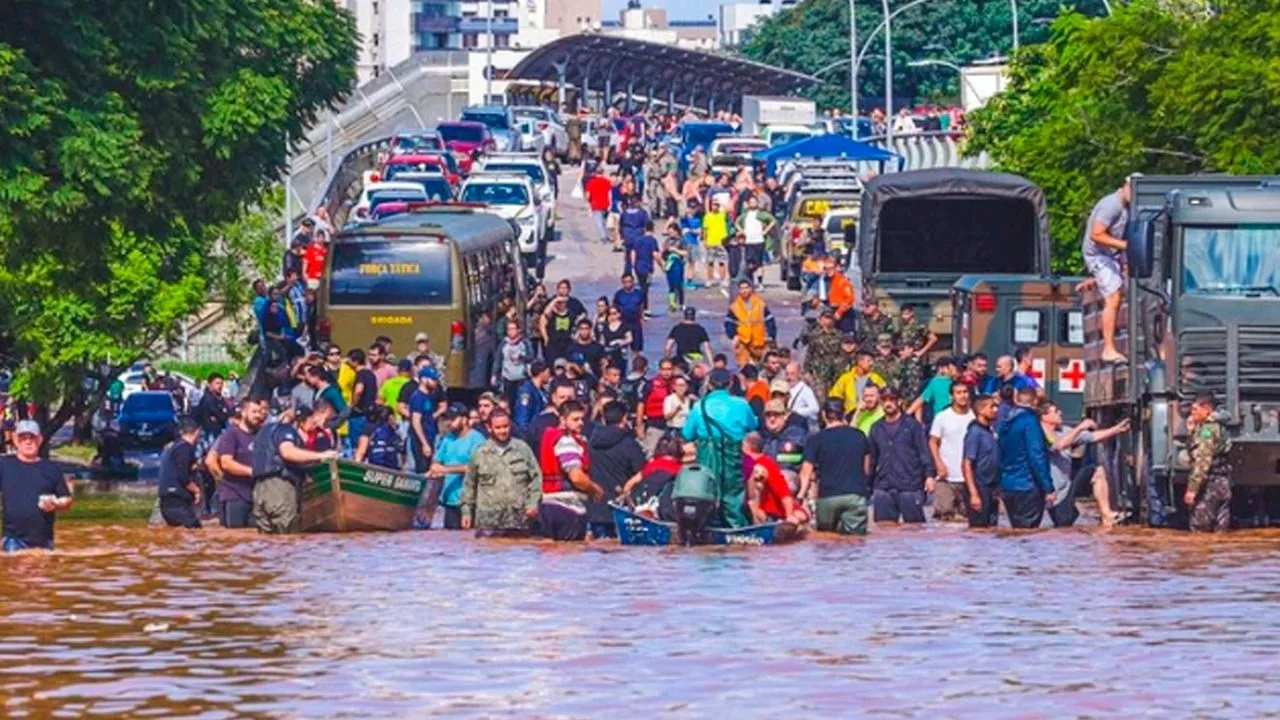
{"points": [[1209, 484], [1103, 244]]}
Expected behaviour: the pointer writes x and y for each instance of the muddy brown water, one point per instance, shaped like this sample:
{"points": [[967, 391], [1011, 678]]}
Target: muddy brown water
{"points": [[128, 621]]}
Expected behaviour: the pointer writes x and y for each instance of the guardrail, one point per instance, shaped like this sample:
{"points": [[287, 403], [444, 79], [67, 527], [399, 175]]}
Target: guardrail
{"points": [[927, 150], [343, 183]]}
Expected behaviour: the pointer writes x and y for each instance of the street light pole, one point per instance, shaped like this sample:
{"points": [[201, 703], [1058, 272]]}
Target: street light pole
{"points": [[853, 68], [488, 67], [888, 73], [1013, 4]]}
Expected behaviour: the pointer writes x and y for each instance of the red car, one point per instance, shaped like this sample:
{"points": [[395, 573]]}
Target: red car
{"points": [[466, 140], [444, 163]]}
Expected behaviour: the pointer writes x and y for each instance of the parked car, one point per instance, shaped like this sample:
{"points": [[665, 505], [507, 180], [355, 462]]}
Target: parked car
{"points": [[500, 121], [466, 141], [514, 197], [415, 141], [147, 419], [531, 166], [548, 124], [373, 194]]}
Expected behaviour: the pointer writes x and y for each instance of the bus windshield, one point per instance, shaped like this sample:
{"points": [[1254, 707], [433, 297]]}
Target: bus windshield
{"points": [[1239, 260], [391, 272]]}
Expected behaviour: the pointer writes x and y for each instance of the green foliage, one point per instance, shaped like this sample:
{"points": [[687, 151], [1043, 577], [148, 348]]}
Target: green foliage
{"points": [[137, 142], [1146, 90], [815, 33], [200, 371]]}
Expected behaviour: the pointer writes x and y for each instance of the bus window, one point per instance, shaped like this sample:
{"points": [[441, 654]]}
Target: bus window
{"points": [[396, 272]]}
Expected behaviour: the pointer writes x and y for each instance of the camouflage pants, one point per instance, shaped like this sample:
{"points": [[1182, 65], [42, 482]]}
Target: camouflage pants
{"points": [[1212, 511], [275, 506]]}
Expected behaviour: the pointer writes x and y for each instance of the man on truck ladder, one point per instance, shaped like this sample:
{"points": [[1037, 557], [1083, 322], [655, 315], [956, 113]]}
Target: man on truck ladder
{"points": [[1103, 243]]}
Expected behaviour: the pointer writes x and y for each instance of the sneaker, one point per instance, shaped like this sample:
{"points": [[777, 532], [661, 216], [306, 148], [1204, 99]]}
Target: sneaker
{"points": [[724, 290]]}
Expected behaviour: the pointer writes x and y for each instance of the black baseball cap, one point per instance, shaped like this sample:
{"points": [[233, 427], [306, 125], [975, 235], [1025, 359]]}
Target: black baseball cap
{"points": [[720, 378], [849, 338], [690, 312]]}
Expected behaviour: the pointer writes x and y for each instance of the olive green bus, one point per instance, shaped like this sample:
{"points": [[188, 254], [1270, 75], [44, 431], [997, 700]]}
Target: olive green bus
{"points": [[443, 270]]}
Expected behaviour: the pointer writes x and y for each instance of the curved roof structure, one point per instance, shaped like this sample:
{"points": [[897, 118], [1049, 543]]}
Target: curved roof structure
{"points": [[611, 63]]}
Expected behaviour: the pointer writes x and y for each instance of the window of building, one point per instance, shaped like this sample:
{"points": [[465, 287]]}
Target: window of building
{"points": [[470, 40], [501, 41], [500, 13]]}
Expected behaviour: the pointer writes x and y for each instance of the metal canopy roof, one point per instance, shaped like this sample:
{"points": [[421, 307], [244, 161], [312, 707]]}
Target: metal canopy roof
{"points": [[596, 58]]}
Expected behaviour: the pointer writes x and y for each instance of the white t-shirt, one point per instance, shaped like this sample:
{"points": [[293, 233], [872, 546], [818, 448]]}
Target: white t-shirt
{"points": [[950, 427], [674, 404], [753, 228]]}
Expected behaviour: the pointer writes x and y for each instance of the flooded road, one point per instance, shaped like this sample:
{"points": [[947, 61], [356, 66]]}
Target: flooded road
{"points": [[134, 622]]}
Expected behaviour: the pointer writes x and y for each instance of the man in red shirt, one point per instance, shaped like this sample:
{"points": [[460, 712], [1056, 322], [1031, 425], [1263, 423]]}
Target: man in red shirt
{"points": [[313, 257], [599, 192], [768, 494]]}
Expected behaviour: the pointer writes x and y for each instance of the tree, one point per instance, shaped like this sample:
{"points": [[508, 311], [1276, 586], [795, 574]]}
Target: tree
{"points": [[814, 34], [1150, 89], [132, 140]]}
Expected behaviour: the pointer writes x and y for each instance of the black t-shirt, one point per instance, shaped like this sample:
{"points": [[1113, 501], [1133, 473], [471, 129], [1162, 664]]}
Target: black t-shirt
{"points": [[21, 485], [364, 402], [559, 329], [591, 352], [175, 471], [577, 310], [837, 455], [689, 338]]}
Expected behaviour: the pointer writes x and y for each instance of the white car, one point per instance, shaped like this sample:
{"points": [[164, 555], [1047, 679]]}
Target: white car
{"points": [[530, 138], [393, 191], [530, 166], [134, 378], [515, 198], [548, 124], [777, 135], [735, 150]]}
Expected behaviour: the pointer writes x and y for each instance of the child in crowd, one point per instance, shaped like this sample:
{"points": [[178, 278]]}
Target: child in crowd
{"points": [[673, 261]]}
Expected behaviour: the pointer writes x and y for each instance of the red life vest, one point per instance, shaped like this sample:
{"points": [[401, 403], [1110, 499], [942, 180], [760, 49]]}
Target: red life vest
{"points": [[554, 479], [659, 389]]}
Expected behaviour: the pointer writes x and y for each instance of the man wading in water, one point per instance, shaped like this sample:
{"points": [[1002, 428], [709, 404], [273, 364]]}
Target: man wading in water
{"points": [[503, 484], [718, 423], [280, 461]]}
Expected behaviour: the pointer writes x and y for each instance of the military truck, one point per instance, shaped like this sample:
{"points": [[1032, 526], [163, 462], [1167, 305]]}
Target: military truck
{"points": [[920, 231], [993, 314], [1201, 312]]}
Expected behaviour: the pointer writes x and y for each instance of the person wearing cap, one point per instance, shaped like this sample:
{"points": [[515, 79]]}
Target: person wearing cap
{"points": [[824, 360], [717, 424], [422, 348], [178, 487], [836, 473], [453, 452], [852, 384], [749, 324], [884, 361], [872, 324], [280, 463], [32, 490], [688, 339], [424, 408], [783, 435], [903, 466], [531, 397], [840, 295]]}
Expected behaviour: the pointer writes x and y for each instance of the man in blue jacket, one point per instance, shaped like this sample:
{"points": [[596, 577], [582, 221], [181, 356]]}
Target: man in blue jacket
{"points": [[531, 396], [1026, 485], [903, 465]]}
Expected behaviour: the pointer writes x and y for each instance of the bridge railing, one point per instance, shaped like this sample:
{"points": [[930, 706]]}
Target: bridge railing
{"points": [[928, 150]]}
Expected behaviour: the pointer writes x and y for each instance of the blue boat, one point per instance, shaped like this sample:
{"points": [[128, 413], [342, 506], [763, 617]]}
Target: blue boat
{"points": [[634, 529]]}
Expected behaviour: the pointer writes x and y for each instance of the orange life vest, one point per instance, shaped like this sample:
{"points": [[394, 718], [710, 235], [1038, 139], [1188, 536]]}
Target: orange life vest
{"points": [[751, 329]]}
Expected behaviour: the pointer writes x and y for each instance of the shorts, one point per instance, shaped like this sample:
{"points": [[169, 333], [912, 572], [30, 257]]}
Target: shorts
{"points": [[717, 254], [755, 255], [1106, 270], [695, 252], [611, 221]]}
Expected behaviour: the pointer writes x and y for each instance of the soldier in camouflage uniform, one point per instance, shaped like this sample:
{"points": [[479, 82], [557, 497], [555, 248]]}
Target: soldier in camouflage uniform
{"points": [[914, 334], [871, 324], [884, 363], [1209, 485], [910, 374], [503, 485], [823, 358]]}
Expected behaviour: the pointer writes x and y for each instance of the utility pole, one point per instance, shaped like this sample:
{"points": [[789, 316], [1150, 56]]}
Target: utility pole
{"points": [[853, 67], [888, 74]]}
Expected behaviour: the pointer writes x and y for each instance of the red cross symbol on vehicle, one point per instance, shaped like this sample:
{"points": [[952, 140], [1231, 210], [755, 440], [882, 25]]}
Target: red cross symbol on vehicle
{"points": [[1071, 377]]}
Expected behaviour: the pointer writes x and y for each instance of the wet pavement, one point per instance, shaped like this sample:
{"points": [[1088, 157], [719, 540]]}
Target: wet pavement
{"points": [[939, 621]]}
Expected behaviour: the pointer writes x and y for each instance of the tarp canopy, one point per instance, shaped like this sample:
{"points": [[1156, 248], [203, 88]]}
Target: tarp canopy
{"points": [[997, 221], [828, 146]]}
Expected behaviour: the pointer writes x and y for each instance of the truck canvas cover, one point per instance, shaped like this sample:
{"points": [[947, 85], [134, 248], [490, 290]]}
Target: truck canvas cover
{"points": [[953, 221]]}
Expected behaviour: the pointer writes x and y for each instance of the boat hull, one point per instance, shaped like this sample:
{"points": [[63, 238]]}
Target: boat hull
{"points": [[345, 496], [634, 529]]}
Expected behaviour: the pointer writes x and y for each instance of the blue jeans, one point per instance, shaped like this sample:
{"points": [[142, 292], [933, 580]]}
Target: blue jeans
{"points": [[13, 544]]}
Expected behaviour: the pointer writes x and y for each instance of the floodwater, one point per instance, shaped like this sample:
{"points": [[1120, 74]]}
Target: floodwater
{"points": [[129, 621]]}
